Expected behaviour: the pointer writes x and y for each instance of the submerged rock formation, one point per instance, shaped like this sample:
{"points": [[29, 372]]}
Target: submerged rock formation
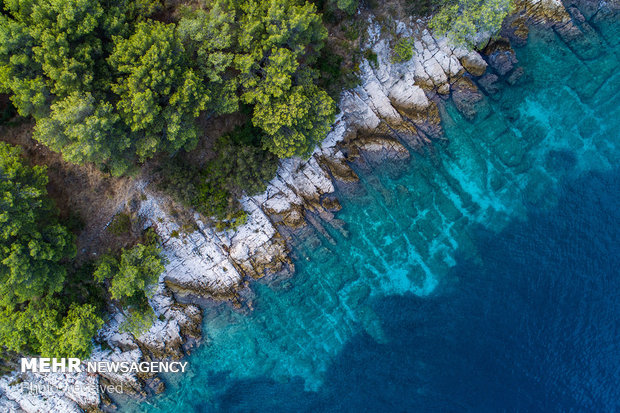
{"points": [[395, 109]]}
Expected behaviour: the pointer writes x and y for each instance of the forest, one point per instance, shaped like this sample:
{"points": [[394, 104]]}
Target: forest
{"points": [[128, 84]]}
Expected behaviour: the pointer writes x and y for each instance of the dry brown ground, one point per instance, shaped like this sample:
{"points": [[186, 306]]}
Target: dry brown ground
{"points": [[83, 190], [97, 197]]}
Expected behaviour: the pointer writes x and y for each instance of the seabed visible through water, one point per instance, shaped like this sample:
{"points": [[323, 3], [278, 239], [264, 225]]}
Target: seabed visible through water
{"points": [[482, 276]]}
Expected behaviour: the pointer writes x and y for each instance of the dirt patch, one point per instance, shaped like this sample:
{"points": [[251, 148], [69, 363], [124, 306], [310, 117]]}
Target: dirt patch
{"points": [[89, 200], [82, 193]]}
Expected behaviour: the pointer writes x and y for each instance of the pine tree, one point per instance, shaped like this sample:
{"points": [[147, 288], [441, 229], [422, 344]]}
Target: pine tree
{"points": [[32, 242], [159, 96], [463, 20]]}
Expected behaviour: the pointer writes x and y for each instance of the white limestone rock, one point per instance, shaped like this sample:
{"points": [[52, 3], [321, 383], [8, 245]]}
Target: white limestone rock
{"points": [[49, 392], [212, 263], [405, 93]]}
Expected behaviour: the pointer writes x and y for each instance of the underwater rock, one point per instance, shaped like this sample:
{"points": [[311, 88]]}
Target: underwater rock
{"points": [[488, 83], [515, 76], [339, 168], [466, 97], [331, 204], [517, 31], [386, 146], [501, 56]]}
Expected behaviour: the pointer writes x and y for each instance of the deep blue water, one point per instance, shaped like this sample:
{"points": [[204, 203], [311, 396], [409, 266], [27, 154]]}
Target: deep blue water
{"points": [[483, 275], [534, 327]]}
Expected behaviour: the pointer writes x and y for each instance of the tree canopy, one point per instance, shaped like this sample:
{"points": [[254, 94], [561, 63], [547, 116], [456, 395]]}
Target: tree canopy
{"points": [[108, 85], [348, 6], [240, 167], [463, 20], [159, 96], [105, 84], [86, 130], [137, 271], [44, 327], [270, 51], [32, 242], [132, 280], [33, 248]]}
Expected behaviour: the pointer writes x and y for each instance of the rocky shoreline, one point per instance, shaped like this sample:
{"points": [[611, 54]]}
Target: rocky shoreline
{"points": [[394, 110]]}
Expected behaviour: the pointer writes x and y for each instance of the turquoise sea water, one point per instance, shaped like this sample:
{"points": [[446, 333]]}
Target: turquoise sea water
{"points": [[479, 276]]}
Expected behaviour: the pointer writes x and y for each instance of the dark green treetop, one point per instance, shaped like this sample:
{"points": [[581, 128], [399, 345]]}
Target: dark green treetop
{"points": [[32, 242]]}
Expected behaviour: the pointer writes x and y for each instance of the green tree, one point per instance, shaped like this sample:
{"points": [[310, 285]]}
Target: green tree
{"points": [[243, 169], [295, 122], [274, 36], [137, 272], [240, 167], [462, 21], [348, 6], [64, 42], [85, 130], [32, 242], [33, 246], [237, 170], [139, 318], [132, 280], [20, 73], [74, 334], [54, 52], [270, 46], [209, 38], [39, 328], [403, 50], [278, 40], [60, 43], [26, 327], [159, 96]]}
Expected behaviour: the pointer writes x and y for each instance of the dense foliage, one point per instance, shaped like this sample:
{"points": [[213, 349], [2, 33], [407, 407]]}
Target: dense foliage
{"points": [[53, 59], [158, 95], [32, 242], [349, 6], [33, 249], [135, 273], [108, 85], [403, 50], [238, 168], [463, 20], [265, 50]]}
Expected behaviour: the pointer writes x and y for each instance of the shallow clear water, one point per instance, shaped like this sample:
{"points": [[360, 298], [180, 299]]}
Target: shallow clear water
{"points": [[481, 276]]}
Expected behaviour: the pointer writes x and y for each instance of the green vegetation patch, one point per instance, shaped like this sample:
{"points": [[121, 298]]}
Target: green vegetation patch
{"points": [[403, 50], [462, 21], [238, 168], [109, 85], [132, 279], [38, 313]]}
